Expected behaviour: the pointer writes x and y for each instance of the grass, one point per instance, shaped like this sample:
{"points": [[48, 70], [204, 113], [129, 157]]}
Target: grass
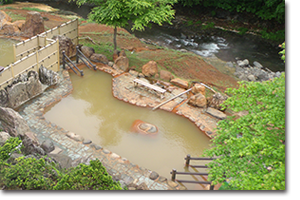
{"points": [[33, 9], [15, 17]]}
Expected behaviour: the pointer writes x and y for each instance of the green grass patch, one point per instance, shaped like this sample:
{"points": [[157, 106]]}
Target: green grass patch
{"points": [[15, 17], [33, 9]]}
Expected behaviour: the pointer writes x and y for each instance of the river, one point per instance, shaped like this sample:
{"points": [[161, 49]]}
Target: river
{"points": [[226, 45]]}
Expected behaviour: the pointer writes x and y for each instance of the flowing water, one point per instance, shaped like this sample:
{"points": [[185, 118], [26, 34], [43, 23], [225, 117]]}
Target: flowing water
{"points": [[6, 51], [92, 112], [225, 45]]}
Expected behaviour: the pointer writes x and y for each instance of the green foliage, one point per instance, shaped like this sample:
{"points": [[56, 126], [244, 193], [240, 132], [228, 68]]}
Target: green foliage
{"points": [[278, 36], [208, 25], [41, 174], [265, 9], [141, 13], [87, 177], [6, 1], [242, 30], [251, 149], [117, 13], [11, 145], [282, 52]]}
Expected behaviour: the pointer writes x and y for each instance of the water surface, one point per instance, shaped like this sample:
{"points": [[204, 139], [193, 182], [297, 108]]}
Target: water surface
{"points": [[6, 51]]}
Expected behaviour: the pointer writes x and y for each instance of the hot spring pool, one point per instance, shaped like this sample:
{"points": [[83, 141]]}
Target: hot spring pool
{"points": [[92, 112]]}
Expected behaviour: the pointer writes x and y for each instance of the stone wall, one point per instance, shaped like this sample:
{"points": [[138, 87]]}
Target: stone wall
{"points": [[27, 86]]}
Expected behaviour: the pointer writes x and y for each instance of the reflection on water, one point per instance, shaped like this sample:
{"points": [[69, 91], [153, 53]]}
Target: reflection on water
{"points": [[92, 111], [6, 51]]}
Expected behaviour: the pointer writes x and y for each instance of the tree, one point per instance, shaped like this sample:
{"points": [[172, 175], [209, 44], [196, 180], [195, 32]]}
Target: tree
{"points": [[141, 13], [250, 150]]}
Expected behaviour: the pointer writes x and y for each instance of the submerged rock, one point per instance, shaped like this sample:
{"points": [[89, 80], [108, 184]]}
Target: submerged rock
{"points": [[139, 126]]}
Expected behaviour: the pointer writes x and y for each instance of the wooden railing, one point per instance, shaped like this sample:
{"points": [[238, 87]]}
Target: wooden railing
{"points": [[188, 158]]}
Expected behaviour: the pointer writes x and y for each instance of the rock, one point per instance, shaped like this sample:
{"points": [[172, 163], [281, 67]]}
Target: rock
{"points": [[4, 17], [19, 23], [138, 126], [142, 186], [122, 53], [150, 68], [198, 88], [134, 73], [87, 51], [122, 63], [31, 144], [216, 113], [33, 25], [12, 122], [65, 44], [166, 75], [75, 137], [110, 63], [3, 137], [99, 58], [17, 94], [172, 184], [48, 146], [10, 29], [198, 100], [230, 64], [278, 74], [243, 63], [86, 141], [48, 77], [153, 175], [257, 64], [3, 98], [63, 160], [33, 86], [180, 83], [251, 77], [116, 54], [216, 100]]}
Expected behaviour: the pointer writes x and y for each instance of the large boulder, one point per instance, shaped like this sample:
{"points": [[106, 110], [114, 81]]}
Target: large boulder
{"points": [[87, 51], [17, 94], [33, 85], [65, 44], [10, 29], [166, 75], [4, 17], [99, 58], [31, 144], [34, 24], [122, 62], [198, 88], [150, 68], [19, 24], [180, 83], [216, 100], [198, 100], [139, 126], [12, 122], [48, 77]]}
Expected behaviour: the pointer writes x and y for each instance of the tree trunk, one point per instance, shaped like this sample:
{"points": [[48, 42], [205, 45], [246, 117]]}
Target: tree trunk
{"points": [[115, 38]]}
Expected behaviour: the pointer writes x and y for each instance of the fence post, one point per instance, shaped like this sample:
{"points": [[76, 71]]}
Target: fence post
{"points": [[77, 58], [14, 49], [188, 158], [173, 174], [211, 187], [77, 32], [57, 51]]}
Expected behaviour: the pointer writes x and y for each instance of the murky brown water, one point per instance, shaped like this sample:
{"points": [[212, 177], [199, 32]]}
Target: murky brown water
{"points": [[6, 51], [92, 111]]}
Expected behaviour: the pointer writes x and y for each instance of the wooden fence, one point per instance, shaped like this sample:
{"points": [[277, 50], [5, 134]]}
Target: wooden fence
{"points": [[38, 50]]}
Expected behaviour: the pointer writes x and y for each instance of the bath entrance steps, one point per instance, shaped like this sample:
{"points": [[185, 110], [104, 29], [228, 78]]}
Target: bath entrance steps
{"points": [[67, 61], [84, 59], [178, 95], [199, 177]]}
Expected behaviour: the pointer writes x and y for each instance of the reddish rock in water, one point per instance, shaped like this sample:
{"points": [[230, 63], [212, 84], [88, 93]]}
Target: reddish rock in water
{"points": [[138, 126]]}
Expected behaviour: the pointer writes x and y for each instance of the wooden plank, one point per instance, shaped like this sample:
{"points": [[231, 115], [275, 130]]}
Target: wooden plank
{"points": [[186, 181]]}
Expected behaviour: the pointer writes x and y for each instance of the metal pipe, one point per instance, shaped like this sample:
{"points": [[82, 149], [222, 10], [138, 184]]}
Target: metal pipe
{"points": [[188, 158], [173, 174], [77, 50]]}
